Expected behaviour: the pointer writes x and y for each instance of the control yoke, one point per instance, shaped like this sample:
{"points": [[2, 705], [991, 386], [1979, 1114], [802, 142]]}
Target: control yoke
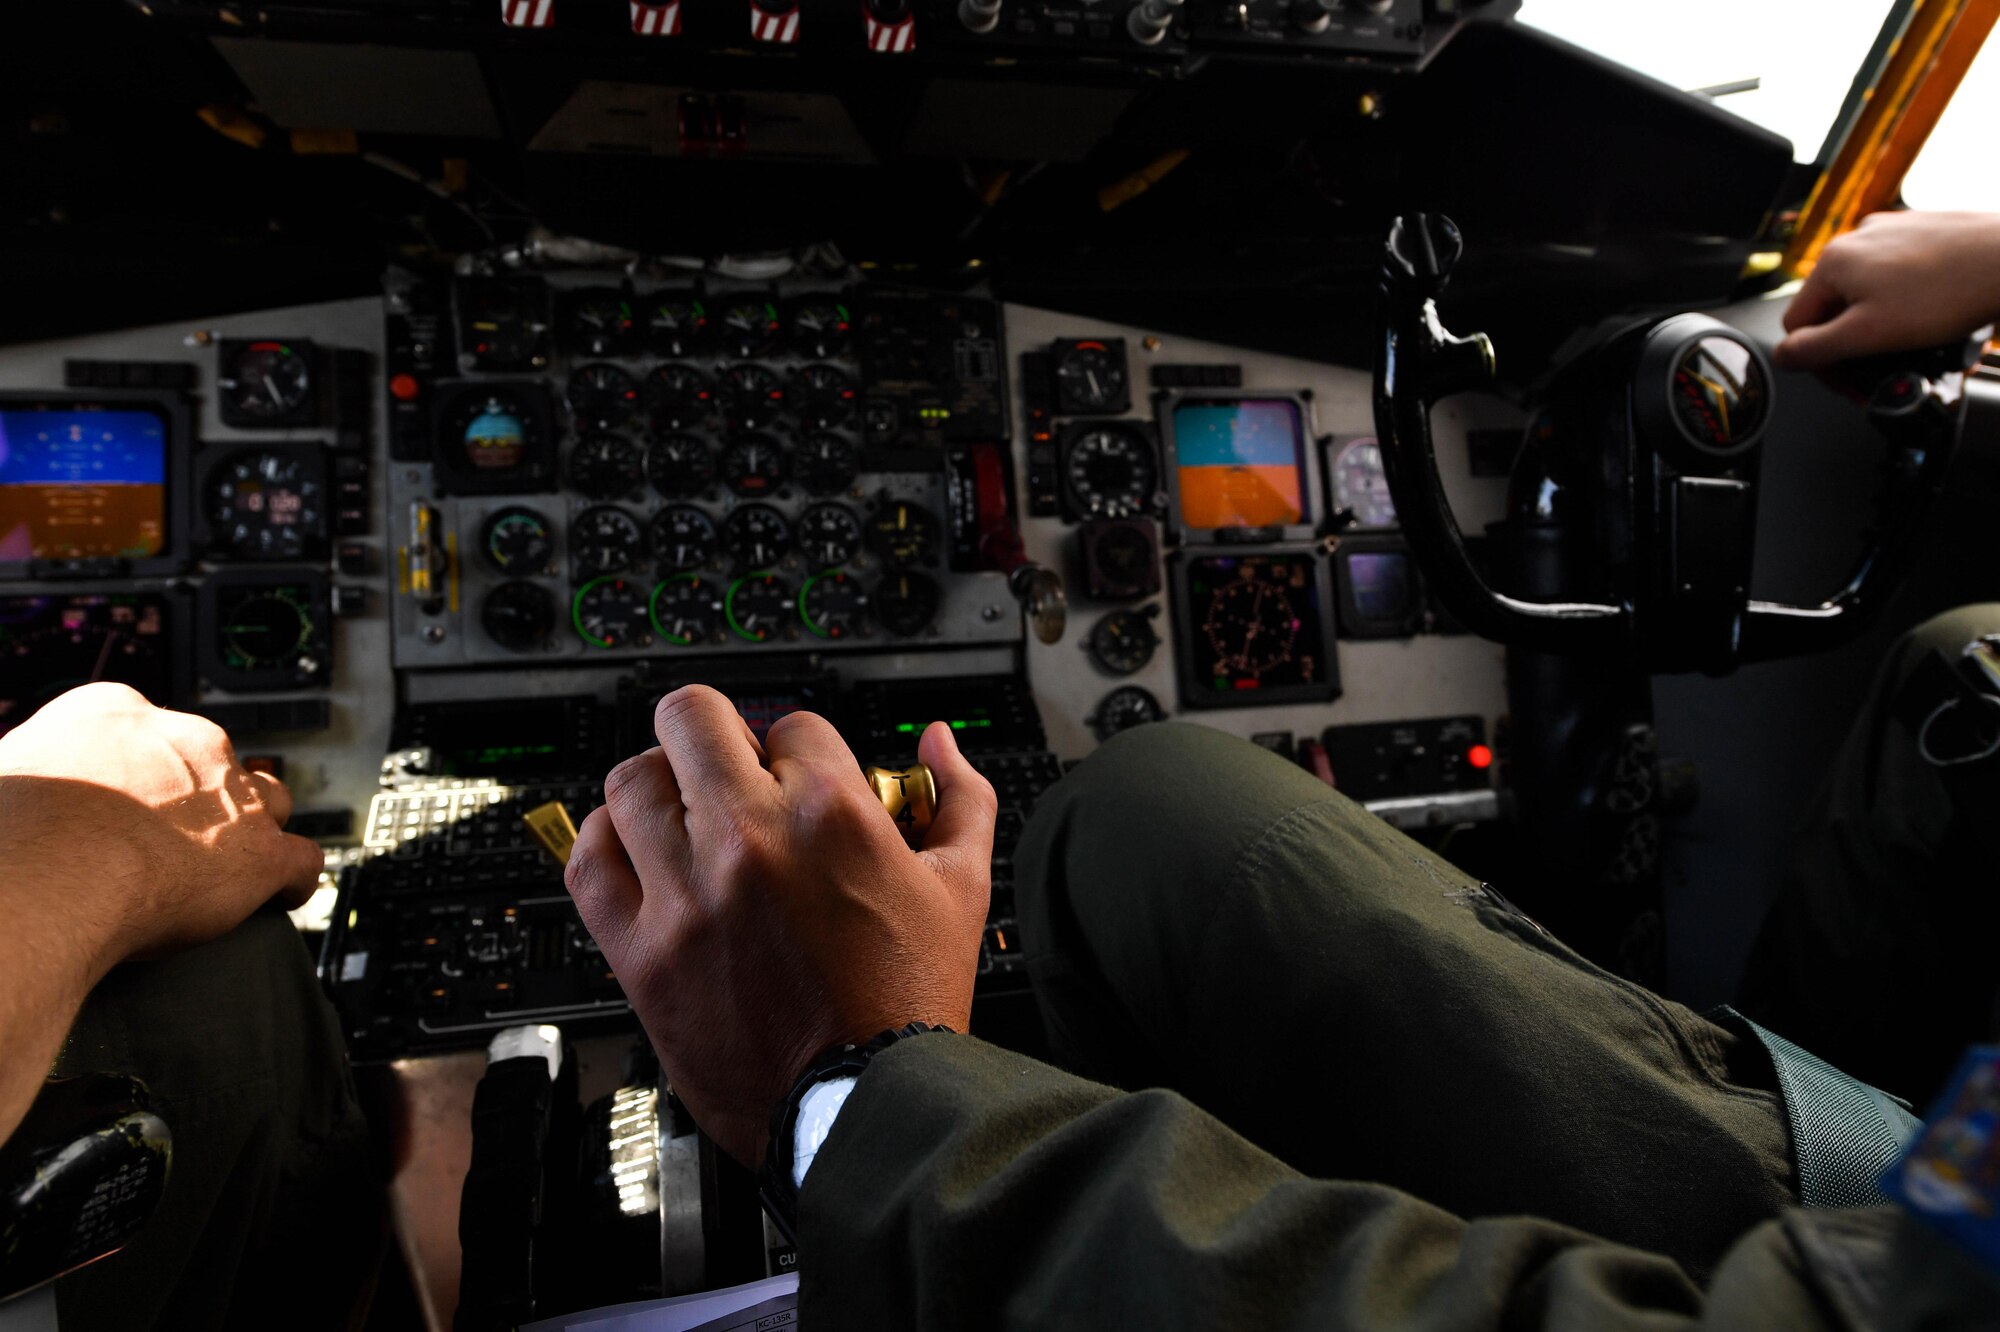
{"points": [[1695, 400]]}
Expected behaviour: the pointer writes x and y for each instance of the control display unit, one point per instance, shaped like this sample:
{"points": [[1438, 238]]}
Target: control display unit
{"points": [[90, 485], [1254, 627], [1241, 468]]}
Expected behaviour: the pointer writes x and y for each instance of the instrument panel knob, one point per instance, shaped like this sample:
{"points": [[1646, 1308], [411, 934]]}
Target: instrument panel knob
{"points": [[909, 795], [1313, 15], [979, 15], [1149, 20]]}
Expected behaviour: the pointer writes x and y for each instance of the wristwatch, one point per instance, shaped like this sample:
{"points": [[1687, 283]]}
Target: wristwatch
{"points": [[776, 1187]]}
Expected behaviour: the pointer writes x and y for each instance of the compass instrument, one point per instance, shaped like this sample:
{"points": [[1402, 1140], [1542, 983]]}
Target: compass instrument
{"points": [[1109, 470], [826, 464], [682, 537], [268, 504], [607, 466], [687, 609], [755, 536], [266, 383], [518, 615], [610, 612], [266, 631], [1123, 642], [604, 540], [517, 542], [904, 533], [759, 607], [828, 534], [602, 395], [834, 605], [1254, 628]]}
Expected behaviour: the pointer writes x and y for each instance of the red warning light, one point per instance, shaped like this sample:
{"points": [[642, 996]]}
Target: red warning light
{"points": [[1479, 756]]}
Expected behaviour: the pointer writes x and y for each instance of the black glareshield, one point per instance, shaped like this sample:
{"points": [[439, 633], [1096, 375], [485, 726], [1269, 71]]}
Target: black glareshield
{"points": [[78, 1178]]}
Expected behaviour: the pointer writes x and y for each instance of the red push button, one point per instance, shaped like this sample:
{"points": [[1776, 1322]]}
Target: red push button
{"points": [[405, 388]]}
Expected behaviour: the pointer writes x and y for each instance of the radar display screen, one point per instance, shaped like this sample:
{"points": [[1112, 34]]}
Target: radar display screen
{"points": [[1240, 463], [1253, 630], [82, 484], [51, 644]]}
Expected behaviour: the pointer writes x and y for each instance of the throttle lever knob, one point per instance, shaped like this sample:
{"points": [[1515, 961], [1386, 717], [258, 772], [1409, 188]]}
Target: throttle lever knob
{"points": [[910, 796]]}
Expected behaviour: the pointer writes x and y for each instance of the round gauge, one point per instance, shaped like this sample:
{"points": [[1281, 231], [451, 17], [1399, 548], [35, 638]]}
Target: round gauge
{"points": [[1251, 627], [829, 535], [748, 327], [1121, 559], [682, 538], [833, 605], [1720, 398], [611, 613], [1123, 641], [1123, 708], [604, 540], [268, 629], [759, 607], [1361, 486], [756, 535], [1090, 376], [678, 396], [826, 464], [1111, 472], [820, 327], [904, 533], [495, 431], [905, 603], [607, 466], [753, 466], [752, 397], [518, 616], [687, 609], [822, 396], [680, 465], [602, 395], [266, 505], [518, 541], [266, 381], [598, 322], [676, 325]]}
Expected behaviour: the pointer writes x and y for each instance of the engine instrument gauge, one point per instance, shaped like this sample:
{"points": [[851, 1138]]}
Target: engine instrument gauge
{"points": [[676, 324], [1090, 377], [906, 603], [752, 396], [605, 466], [267, 632], [682, 538], [822, 396], [268, 504], [611, 612], [756, 535], [829, 535], [680, 466], [1110, 471], [1123, 708], [749, 327], [265, 383], [687, 609], [759, 607], [1360, 485], [602, 395], [904, 533], [517, 541], [833, 605], [678, 396], [598, 321], [604, 540], [50, 644], [753, 466], [826, 464], [820, 327], [1123, 642], [518, 616]]}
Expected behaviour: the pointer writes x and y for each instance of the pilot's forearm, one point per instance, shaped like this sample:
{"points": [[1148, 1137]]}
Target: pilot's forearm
{"points": [[965, 1186], [51, 954]]}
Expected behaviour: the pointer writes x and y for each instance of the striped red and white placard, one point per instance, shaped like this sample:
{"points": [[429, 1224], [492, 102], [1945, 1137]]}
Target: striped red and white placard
{"points": [[656, 20], [893, 38], [768, 27], [528, 13]]}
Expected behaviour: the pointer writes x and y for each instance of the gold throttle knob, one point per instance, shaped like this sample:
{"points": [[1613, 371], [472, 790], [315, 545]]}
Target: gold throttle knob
{"points": [[910, 796]]}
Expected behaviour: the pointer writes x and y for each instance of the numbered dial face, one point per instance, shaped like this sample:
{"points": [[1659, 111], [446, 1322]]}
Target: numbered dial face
{"points": [[266, 381], [268, 629], [680, 465], [517, 541], [1123, 641], [753, 466], [604, 540], [602, 395], [821, 328], [1111, 472], [1361, 485], [676, 325], [267, 505], [683, 538], [904, 533], [760, 607], [607, 466], [823, 396], [829, 535], [1124, 708], [1090, 377], [518, 616], [906, 603], [752, 397], [1251, 627], [678, 396], [834, 606], [749, 327], [598, 323], [687, 609], [611, 613], [826, 464], [756, 535]]}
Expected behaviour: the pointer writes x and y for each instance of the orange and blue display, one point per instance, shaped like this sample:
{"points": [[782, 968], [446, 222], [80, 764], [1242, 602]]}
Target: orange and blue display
{"points": [[82, 484], [1241, 463]]}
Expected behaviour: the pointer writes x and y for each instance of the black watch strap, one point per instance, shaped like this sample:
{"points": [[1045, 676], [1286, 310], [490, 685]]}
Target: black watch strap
{"points": [[775, 1188]]}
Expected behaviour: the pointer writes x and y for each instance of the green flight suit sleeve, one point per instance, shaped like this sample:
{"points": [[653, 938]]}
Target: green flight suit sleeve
{"points": [[965, 1186]]}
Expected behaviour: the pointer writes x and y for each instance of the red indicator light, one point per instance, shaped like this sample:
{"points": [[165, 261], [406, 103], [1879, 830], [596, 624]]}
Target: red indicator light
{"points": [[405, 388], [1479, 756]]}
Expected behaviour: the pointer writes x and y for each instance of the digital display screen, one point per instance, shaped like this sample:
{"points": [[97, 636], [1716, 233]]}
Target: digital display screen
{"points": [[1381, 584], [1255, 623], [52, 644], [79, 484], [522, 738], [1241, 463]]}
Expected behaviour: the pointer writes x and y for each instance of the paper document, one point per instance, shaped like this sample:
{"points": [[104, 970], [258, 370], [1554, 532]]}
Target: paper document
{"points": [[769, 1305]]}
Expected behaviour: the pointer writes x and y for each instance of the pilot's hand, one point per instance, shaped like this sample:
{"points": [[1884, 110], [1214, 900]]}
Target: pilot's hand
{"points": [[139, 825], [1898, 282], [759, 905]]}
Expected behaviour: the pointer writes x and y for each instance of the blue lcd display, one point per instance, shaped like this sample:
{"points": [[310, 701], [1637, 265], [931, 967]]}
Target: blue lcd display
{"points": [[1241, 463], [82, 484]]}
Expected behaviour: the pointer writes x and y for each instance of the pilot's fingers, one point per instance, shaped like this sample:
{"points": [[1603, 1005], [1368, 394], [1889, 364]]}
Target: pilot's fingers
{"points": [[277, 797], [1819, 300], [299, 862], [713, 755], [601, 880], [805, 751], [642, 800], [960, 842], [1853, 332]]}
